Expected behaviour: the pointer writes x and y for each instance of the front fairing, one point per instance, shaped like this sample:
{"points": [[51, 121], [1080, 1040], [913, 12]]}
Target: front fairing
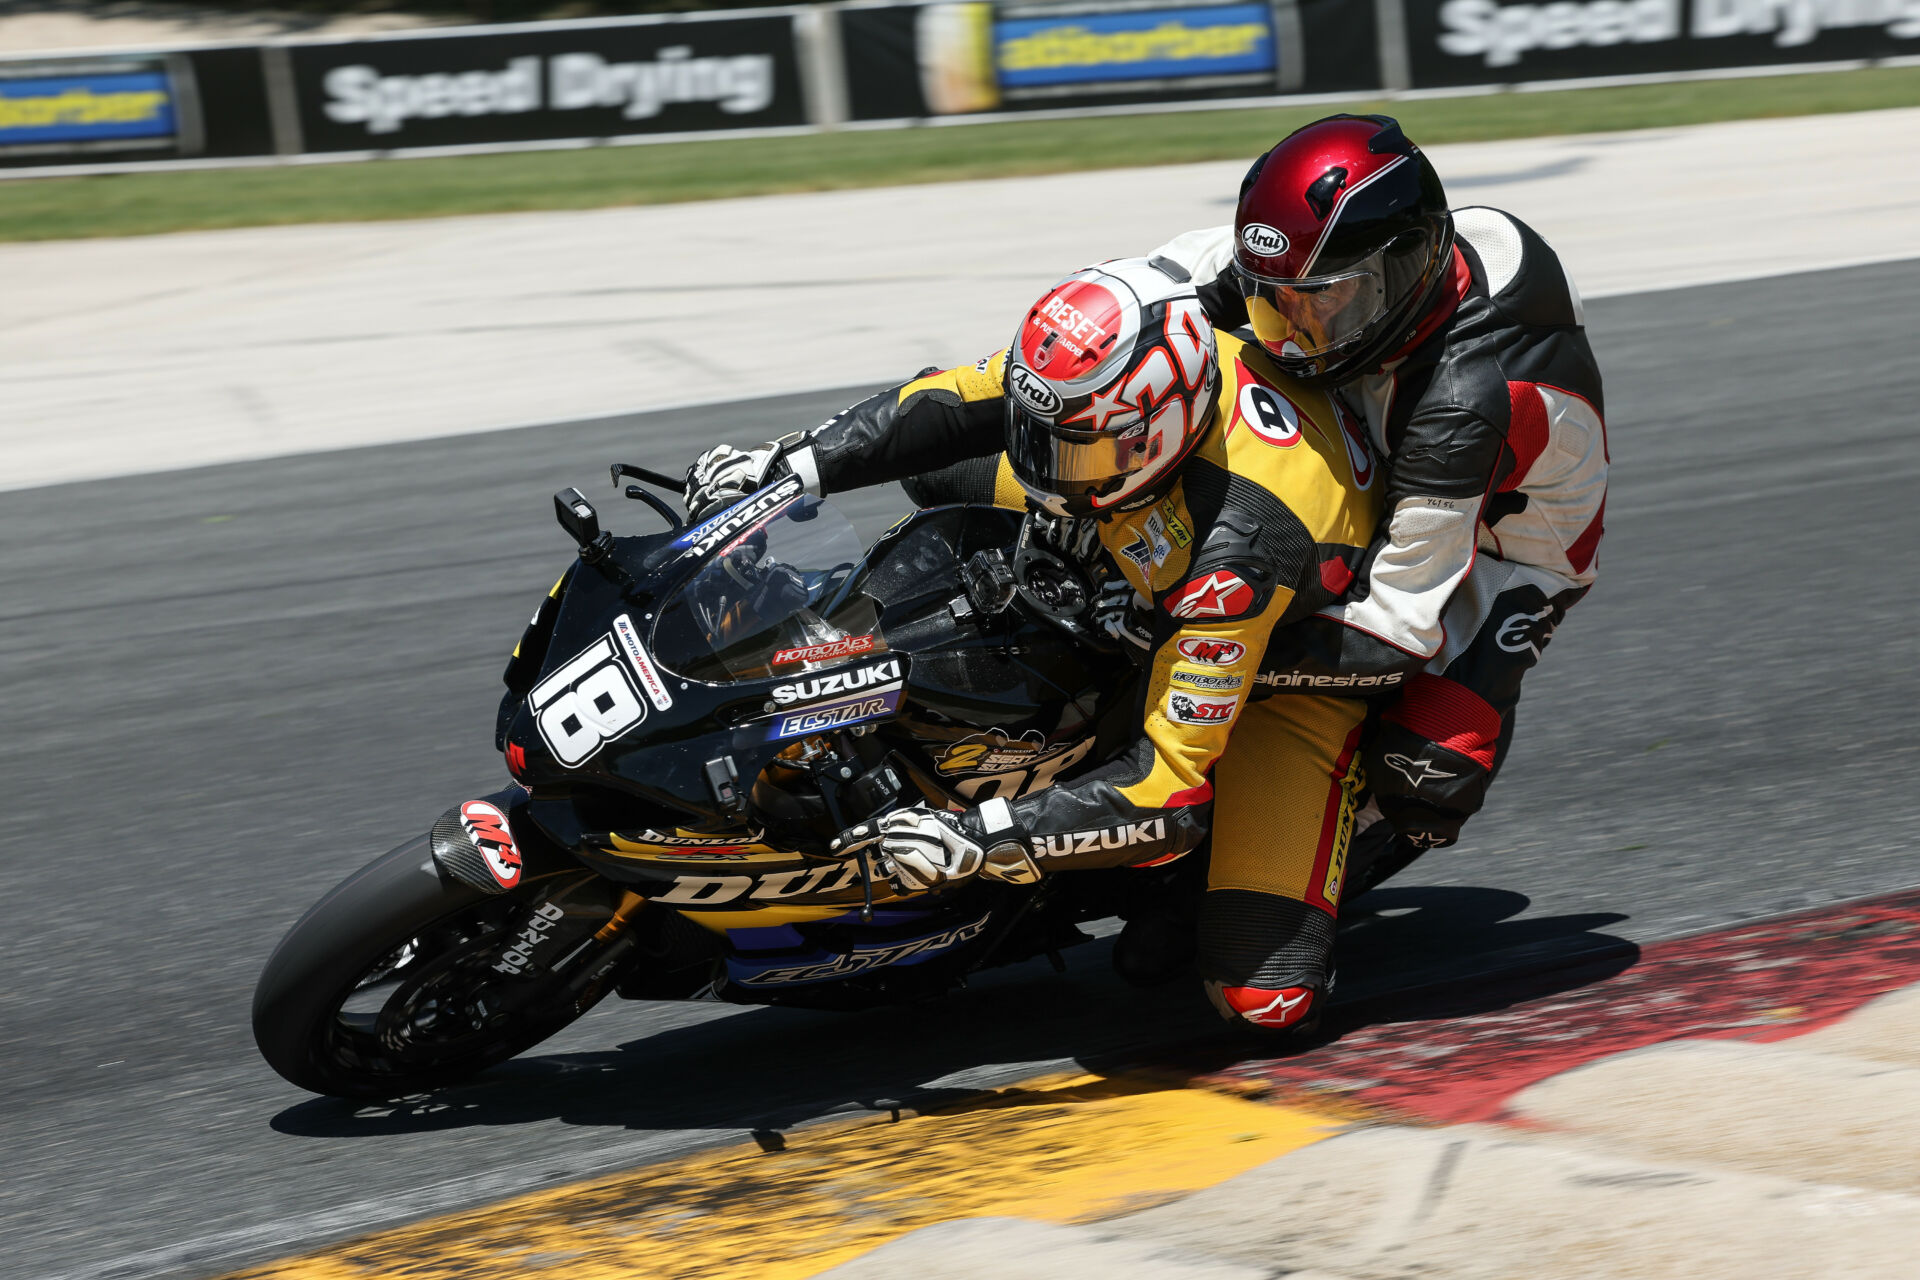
{"points": [[632, 699]]}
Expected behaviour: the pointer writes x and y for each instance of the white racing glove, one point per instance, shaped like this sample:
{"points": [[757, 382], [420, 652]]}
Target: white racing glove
{"points": [[724, 475], [1124, 614], [924, 848]]}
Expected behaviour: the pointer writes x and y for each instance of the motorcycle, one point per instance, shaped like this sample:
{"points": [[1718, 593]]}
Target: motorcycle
{"points": [[690, 718]]}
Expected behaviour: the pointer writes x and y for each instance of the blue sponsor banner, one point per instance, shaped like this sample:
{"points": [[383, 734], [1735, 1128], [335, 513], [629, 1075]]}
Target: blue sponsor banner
{"points": [[1143, 44], [120, 107]]}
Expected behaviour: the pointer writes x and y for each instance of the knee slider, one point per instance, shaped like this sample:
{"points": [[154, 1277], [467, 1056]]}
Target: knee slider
{"points": [[1265, 959]]}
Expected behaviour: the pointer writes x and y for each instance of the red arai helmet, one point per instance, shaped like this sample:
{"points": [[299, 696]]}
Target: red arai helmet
{"points": [[1342, 240], [1111, 379]]}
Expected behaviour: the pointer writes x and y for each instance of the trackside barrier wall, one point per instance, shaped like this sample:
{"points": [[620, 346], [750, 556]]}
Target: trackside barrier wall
{"points": [[827, 64]]}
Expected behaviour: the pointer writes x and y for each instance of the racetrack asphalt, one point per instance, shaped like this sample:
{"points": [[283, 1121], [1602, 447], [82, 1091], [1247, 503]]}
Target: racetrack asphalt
{"points": [[226, 688]]}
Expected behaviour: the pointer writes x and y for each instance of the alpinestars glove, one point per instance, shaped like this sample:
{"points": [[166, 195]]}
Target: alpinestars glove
{"points": [[922, 848], [1125, 615], [724, 475]]}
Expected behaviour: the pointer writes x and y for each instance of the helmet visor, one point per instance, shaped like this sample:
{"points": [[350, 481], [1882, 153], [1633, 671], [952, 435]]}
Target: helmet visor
{"points": [[1312, 316], [1069, 463]]}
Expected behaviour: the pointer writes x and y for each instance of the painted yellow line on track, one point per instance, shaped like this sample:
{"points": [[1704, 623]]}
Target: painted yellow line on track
{"points": [[1065, 1149]]}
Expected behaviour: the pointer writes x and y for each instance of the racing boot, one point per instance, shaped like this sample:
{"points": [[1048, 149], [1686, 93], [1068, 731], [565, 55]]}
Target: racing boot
{"points": [[1161, 939]]}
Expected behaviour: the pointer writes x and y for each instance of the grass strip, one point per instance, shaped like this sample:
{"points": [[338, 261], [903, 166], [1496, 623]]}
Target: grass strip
{"points": [[146, 203]]}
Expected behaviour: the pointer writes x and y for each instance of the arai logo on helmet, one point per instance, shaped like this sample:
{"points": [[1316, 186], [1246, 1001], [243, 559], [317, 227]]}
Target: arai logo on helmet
{"points": [[1263, 239], [1031, 390]]}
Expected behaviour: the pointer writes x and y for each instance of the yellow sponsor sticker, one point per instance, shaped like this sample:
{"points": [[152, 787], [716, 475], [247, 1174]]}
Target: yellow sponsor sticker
{"points": [[1210, 679], [1176, 527]]}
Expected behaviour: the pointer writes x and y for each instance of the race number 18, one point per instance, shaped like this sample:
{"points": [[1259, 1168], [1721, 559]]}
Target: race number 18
{"points": [[586, 703]]}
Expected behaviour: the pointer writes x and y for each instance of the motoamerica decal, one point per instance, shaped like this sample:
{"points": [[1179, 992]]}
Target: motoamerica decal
{"points": [[650, 680]]}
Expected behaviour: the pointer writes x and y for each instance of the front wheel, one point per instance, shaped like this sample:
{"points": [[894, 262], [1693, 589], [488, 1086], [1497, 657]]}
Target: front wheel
{"points": [[394, 982]]}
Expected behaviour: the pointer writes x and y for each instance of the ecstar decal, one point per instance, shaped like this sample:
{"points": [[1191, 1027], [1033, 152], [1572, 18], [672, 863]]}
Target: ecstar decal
{"points": [[1220, 594], [861, 959], [833, 715]]}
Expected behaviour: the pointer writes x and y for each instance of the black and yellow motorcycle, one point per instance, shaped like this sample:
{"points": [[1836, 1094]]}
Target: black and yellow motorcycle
{"points": [[690, 717]]}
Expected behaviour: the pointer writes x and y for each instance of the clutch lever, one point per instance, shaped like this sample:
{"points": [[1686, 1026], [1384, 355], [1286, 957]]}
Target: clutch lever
{"points": [[654, 478]]}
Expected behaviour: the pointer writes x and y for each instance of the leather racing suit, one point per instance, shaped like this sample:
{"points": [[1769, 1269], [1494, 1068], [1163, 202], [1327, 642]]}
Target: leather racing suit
{"points": [[1266, 523], [1490, 421]]}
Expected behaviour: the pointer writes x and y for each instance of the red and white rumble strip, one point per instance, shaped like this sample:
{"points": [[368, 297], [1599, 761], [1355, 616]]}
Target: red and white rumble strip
{"points": [[1737, 1104]]}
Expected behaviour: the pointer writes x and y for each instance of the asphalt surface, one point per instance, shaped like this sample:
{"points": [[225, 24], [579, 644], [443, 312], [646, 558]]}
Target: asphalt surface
{"points": [[226, 688]]}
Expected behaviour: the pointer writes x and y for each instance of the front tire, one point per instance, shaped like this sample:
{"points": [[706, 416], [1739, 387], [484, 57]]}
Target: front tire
{"points": [[384, 988]]}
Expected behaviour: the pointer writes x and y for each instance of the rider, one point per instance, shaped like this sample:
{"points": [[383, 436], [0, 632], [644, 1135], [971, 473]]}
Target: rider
{"points": [[1234, 502], [1460, 340]]}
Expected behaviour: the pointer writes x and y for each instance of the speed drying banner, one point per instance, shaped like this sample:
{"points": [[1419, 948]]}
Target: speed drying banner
{"points": [[1463, 42], [553, 80]]}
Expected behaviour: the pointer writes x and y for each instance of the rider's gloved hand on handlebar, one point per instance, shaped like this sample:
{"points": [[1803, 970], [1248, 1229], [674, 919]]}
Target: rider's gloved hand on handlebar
{"points": [[1126, 616], [724, 475], [924, 848]]}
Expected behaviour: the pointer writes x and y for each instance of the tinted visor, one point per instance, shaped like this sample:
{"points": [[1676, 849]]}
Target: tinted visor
{"points": [[1312, 316], [1068, 463]]}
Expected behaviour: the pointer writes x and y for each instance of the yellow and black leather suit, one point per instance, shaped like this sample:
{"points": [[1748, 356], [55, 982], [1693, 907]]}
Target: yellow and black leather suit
{"points": [[1265, 523]]}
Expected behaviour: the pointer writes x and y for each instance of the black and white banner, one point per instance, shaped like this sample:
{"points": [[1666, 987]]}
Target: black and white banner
{"points": [[1461, 42], [556, 80]]}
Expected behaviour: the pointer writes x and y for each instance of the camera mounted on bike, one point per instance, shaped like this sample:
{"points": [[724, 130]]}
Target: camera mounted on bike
{"points": [[582, 523]]}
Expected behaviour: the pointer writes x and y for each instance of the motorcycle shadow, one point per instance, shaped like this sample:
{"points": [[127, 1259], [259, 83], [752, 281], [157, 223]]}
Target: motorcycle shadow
{"points": [[1414, 952]]}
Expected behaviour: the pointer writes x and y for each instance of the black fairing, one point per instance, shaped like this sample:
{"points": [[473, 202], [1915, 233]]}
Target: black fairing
{"points": [[1011, 678], [1022, 682]]}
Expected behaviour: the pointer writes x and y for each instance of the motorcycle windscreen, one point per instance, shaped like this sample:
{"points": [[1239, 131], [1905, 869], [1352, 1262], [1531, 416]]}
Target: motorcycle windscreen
{"points": [[767, 603]]}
